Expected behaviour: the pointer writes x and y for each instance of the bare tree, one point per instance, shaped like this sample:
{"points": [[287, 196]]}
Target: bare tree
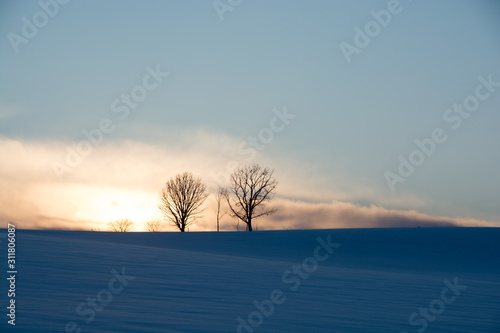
{"points": [[153, 225], [122, 225], [219, 196], [251, 187], [181, 200]]}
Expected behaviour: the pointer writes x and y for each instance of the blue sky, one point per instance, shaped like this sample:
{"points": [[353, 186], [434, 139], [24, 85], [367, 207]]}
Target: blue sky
{"points": [[353, 119]]}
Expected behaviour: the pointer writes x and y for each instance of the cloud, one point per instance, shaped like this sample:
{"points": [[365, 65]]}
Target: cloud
{"points": [[123, 179], [302, 215], [9, 112]]}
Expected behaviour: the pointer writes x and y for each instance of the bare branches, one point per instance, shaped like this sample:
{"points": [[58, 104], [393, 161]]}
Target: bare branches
{"points": [[122, 225], [181, 200], [250, 189], [219, 196], [153, 226]]}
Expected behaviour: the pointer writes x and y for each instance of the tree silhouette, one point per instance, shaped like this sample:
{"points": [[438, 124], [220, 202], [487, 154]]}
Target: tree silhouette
{"points": [[122, 225], [251, 187], [219, 196], [153, 225], [181, 200]]}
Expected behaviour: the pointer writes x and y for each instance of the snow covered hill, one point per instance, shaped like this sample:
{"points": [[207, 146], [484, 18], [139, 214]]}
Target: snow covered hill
{"points": [[344, 280]]}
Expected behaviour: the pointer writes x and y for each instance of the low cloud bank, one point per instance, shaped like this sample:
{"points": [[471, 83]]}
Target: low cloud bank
{"points": [[302, 215], [123, 180]]}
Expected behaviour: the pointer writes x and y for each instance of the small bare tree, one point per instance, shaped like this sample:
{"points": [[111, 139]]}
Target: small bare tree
{"points": [[181, 200], [219, 196], [153, 225], [251, 187], [121, 225]]}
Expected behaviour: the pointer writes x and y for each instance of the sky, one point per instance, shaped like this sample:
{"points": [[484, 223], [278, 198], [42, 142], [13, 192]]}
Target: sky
{"points": [[371, 113]]}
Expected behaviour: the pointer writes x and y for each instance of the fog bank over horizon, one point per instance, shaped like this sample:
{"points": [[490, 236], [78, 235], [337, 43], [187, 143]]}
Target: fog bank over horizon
{"points": [[123, 180]]}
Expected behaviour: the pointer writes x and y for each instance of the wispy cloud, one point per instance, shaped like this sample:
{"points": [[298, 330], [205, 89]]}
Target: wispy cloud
{"points": [[9, 112]]}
